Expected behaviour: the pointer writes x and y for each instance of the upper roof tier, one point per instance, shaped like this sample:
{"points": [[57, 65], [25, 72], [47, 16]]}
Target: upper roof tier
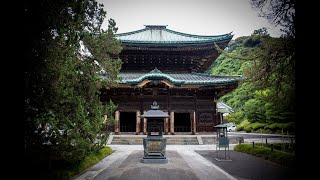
{"points": [[170, 51], [158, 35]]}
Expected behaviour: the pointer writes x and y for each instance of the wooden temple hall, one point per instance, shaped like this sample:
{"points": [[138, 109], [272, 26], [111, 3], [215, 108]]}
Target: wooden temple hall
{"points": [[173, 69]]}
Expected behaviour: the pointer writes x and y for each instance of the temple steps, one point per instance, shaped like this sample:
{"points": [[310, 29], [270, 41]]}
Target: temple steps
{"points": [[137, 139], [180, 140], [126, 140], [171, 139]]}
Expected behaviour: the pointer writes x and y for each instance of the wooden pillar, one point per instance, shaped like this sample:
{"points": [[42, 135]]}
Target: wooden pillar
{"points": [[144, 125], [166, 125], [116, 122], [172, 122], [194, 124], [194, 119], [141, 110], [137, 122]]}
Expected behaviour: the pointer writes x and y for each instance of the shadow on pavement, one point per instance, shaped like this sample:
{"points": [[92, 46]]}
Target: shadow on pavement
{"points": [[245, 166]]}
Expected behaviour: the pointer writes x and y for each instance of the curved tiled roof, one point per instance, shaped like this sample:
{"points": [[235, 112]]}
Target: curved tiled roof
{"points": [[176, 78], [223, 108], [160, 35]]}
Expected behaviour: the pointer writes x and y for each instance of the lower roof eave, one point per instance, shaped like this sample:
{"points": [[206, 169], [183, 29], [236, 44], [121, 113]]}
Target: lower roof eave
{"points": [[128, 85]]}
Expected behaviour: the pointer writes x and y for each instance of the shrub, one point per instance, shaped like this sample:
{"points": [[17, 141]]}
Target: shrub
{"points": [[264, 131], [257, 126], [234, 117], [241, 126], [290, 126], [276, 156], [88, 161], [94, 158], [248, 128], [277, 127]]}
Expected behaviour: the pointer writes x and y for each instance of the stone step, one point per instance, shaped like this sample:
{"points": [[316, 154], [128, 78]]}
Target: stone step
{"points": [[139, 140], [209, 140], [176, 140]]}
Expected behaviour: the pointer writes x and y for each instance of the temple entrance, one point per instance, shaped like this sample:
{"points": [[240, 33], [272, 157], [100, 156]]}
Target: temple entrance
{"points": [[182, 122], [127, 121]]}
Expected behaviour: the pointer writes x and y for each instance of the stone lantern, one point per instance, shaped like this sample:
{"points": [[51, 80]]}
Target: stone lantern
{"points": [[155, 144]]}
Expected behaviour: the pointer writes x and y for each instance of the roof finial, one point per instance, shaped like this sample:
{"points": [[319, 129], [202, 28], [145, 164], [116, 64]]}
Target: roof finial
{"points": [[155, 70], [156, 26]]}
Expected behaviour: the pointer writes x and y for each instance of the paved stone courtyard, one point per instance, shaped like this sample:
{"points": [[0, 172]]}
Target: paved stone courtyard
{"points": [[192, 162]]}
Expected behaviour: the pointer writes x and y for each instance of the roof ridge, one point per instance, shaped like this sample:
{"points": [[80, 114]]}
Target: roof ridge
{"points": [[211, 75], [197, 36], [131, 32], [202, 38], [185, 79]]}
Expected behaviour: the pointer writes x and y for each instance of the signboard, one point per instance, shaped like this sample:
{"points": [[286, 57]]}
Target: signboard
{"points": [[223, 142]]}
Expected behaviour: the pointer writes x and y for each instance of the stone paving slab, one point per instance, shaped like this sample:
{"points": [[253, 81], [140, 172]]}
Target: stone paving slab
{"points": [[245, 166], [133, 168], [183, 163]]}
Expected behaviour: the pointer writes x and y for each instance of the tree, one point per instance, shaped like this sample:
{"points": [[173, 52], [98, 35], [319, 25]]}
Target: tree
{"points": [[63, 113], [267, 65], [278, 12]]}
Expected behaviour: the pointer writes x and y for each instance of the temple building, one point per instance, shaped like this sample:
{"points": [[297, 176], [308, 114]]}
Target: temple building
{"points": [[173, 69]]}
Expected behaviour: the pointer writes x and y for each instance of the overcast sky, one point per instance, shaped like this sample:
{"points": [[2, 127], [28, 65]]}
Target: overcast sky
{"points": [[200, 17]]}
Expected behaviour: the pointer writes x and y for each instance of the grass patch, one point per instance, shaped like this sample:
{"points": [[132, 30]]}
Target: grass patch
{"points": [[277, 156], [88, 161]]}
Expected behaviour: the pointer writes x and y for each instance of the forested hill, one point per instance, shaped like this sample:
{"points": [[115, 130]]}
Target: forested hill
{"points": [[264, 100]]}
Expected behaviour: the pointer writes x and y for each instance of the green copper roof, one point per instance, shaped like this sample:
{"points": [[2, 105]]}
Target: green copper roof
{"points": [[160, 35], [177, 79]]}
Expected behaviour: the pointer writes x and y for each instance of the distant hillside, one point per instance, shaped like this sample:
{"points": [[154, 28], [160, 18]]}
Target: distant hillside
{"points": [[254, 103]]}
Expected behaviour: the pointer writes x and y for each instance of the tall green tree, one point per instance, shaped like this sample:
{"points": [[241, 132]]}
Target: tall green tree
{"points": [[63, 113]]}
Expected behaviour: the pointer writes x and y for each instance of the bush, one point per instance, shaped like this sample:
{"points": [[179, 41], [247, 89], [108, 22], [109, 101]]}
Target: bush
{"points": [[263, 131], [87, 162], [290, 126], [280, 157], [277, 127], [241, 126], [94, 158], [234, 117], [248, 128], [257, 126]]}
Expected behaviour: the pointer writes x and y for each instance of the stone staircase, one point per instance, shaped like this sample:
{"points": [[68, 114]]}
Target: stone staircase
{"points": [[130, 139], [137, 139], [209, 139], [182, 140]]}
